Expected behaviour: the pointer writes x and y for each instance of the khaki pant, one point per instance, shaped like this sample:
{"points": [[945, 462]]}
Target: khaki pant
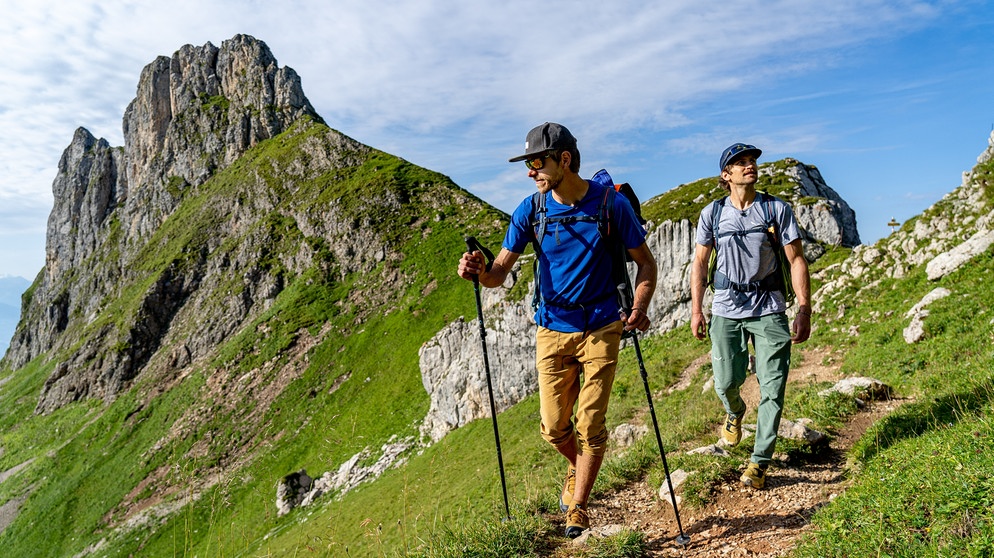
{"points": [[561, 360]]}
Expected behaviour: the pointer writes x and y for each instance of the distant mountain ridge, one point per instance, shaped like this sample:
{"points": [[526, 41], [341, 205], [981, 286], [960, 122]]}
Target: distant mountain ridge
{"points": [[11, 289]]}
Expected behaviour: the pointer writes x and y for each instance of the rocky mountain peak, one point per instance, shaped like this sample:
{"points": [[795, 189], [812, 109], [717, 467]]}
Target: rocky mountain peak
{"points": [[197, 112], [194, 114]]}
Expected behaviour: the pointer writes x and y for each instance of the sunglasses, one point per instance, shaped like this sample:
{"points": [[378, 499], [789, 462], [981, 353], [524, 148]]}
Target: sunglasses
{"points": [[537, 162], [738, 148]]}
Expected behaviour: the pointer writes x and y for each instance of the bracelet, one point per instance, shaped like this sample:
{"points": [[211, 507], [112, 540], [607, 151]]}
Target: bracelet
{"points": [[803, 313], [639, 309]]}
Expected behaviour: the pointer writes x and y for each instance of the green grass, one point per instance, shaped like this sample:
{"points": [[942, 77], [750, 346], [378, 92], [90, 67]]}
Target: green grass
{"points": [[924, 494], [925, 484]]}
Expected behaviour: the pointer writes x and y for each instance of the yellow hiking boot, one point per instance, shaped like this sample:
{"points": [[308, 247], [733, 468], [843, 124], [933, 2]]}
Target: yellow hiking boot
{"points": [[569, 485], [577, 520], [731, 433], [754, 475]]}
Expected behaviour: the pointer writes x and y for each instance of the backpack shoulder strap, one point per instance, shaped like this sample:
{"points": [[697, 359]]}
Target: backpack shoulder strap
{"points": [[606, 212], [769, 218], [715, 217], [540, 218], [539, 221]]}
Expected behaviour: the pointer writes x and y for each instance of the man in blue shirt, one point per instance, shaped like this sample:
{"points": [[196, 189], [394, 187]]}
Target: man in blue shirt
{"points": [[579, 320], [746, 304]]}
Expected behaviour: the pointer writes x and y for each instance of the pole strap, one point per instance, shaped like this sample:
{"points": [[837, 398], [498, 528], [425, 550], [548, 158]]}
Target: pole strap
{"points": [[473, 244]]}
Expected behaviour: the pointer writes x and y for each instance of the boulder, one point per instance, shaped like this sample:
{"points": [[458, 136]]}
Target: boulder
{"points": [[867, 389]]}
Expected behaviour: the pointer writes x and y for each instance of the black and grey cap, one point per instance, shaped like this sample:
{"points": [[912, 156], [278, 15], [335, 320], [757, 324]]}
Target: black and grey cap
{"points": [[547, 137]]}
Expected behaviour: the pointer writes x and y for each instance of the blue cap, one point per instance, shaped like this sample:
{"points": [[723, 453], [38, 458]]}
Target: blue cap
{"points": [[735, 150]]}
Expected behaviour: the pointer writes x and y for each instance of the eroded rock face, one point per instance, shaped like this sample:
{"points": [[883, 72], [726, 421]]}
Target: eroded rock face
{"points": [[197, 112], [829, 219], [193, 115], [453, 371]]}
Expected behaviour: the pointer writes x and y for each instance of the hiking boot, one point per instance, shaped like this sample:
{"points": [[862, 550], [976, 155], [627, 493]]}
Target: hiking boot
{"points": [[754, 475], [731, 433], [577, 520], [566, 498]]}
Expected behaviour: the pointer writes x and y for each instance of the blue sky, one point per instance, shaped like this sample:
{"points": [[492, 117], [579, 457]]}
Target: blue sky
{"points": [[891, 100]]}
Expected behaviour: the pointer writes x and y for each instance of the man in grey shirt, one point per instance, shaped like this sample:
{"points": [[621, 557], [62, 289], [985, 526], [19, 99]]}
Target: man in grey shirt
{"points": [[748, 302]]}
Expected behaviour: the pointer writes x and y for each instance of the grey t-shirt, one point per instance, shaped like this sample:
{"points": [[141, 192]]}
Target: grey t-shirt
{"points": [[748, 257]]}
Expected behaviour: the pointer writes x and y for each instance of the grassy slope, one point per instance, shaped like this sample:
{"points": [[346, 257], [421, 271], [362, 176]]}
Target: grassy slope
{"points": [[88, 457], [926, 480], [452, 488]]}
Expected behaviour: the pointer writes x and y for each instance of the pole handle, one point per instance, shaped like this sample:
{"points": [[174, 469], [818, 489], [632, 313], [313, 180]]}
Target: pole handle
{"points": [[473, 244]]}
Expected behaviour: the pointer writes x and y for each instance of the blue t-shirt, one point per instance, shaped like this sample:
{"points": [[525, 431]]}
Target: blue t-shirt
{"points": [[575, 263], [745, 258]]}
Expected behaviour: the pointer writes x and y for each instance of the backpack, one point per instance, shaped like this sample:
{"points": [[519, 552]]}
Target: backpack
{"points": [[619, 255], [779, 279]]}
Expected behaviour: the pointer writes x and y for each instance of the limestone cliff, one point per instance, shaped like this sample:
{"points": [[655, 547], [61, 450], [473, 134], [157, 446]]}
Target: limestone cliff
{"points": [[194, 114], [244, 287]]}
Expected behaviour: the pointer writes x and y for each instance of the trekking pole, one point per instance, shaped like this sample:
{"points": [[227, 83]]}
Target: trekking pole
{"points": [[473, 244], [627, 296], [682, 539]]}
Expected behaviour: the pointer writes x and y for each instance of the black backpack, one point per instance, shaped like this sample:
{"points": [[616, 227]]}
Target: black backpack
{"points": [[619, 255], [779, 279]]}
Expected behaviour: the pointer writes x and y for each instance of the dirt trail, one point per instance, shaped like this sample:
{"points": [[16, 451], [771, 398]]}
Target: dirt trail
{"points": [[741, 521]]}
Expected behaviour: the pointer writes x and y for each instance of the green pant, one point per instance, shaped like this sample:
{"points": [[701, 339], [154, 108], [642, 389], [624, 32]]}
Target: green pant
{"points": [[770, 336]]}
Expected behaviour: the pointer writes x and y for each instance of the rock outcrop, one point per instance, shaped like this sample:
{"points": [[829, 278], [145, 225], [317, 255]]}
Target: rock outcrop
{"points": [[916, 329], [453, 371], [823, 216], [300, 490], [950, 261], [197, 112], [861, 388], [949, 233], [194, 114]]}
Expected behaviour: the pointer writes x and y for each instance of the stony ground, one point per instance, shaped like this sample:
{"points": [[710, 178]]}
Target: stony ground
{"points": [[742, 521]]}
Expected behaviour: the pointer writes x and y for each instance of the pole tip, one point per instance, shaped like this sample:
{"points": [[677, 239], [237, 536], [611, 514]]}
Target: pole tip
{"points": [[683, 540]]}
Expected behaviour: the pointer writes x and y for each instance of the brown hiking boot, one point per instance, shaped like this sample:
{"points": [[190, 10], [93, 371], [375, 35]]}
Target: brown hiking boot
{"points": [[754, 475], [569, 485], [577, 520], [731, 433]]}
